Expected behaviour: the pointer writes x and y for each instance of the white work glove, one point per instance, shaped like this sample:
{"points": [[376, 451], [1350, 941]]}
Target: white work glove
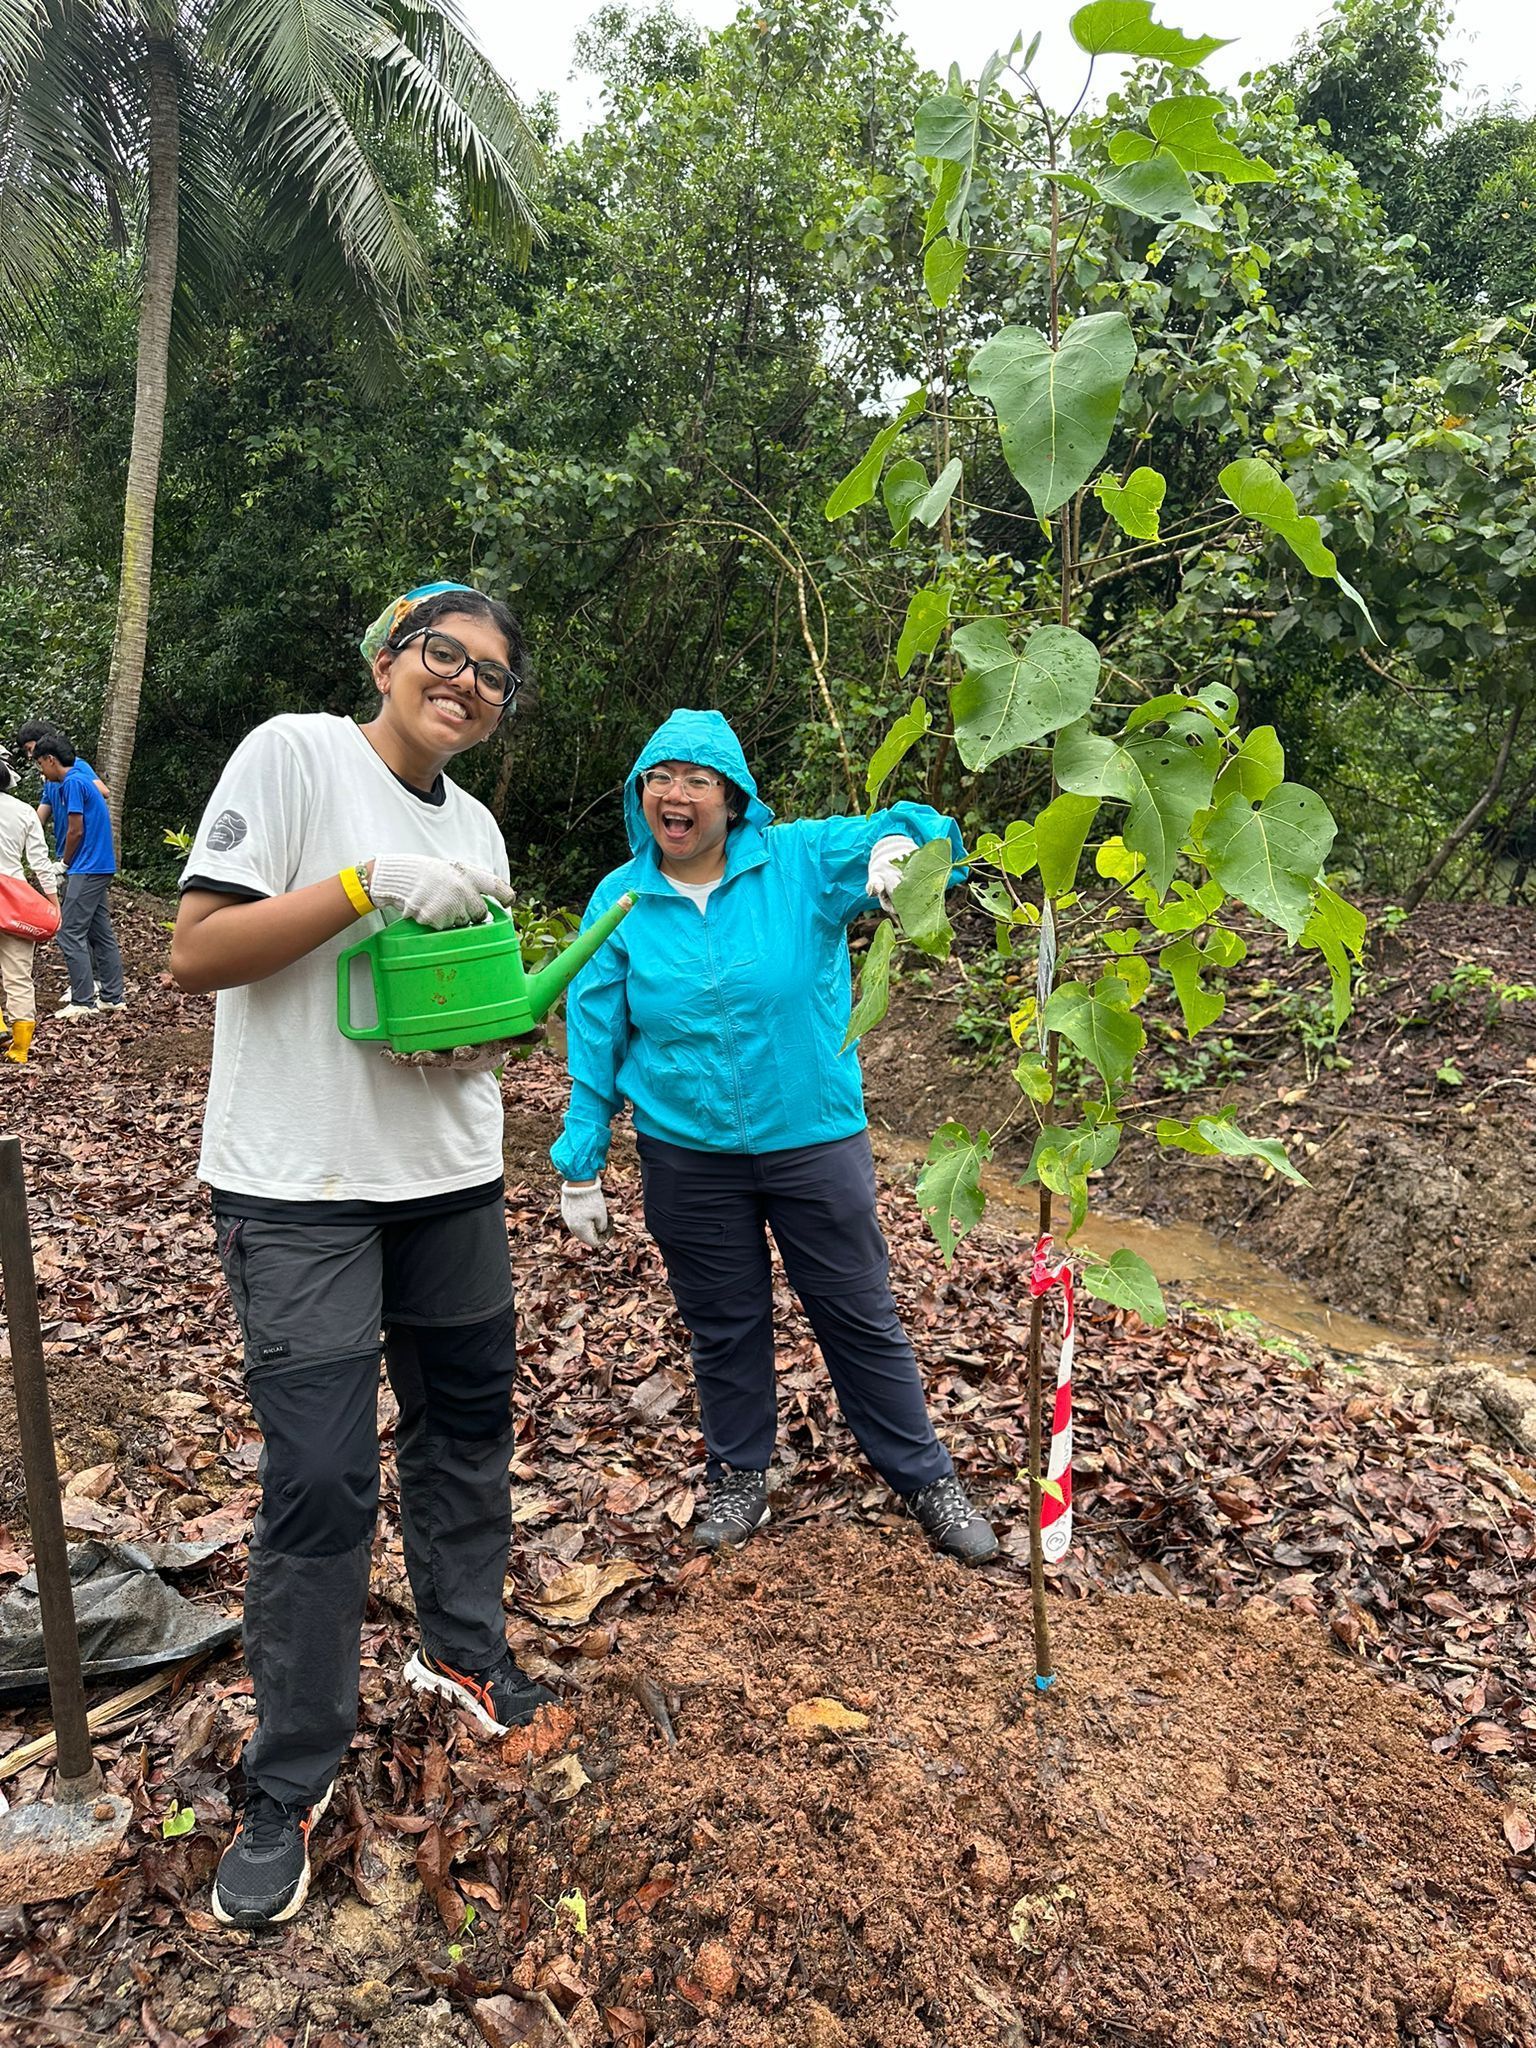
{"points": [[584, 1212], [471, 1059], [436, 893], [885, 865]]}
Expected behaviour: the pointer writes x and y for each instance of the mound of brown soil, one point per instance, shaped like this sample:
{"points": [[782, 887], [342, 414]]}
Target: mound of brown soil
{"points": [[1210, 1831]]}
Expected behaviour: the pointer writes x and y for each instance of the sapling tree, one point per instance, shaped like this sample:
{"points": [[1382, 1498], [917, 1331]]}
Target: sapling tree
{"points": [[1161, 813]]}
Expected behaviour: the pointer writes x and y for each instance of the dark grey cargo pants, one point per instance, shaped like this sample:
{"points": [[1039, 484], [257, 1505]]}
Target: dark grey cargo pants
{"points": [[315, 1302]]}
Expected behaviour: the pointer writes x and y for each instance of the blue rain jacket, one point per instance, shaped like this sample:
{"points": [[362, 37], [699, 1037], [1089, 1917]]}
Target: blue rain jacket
{"points": [[724, 1030]]}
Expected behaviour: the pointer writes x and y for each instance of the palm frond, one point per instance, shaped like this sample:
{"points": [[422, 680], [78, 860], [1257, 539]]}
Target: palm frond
{"points": [[51, 167], [320, 184], [466, 115], [292, 53], [217, 219]]}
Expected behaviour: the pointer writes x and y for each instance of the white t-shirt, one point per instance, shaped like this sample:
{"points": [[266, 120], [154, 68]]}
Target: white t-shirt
{"points": [[295, 1111], [698, 893]]}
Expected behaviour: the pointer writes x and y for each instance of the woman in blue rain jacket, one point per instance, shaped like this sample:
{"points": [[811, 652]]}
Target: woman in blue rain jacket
{"points": [[718, 1011]]}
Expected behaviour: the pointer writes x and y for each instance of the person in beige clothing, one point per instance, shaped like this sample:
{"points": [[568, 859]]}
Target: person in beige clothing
{"points": [[22, 849]]}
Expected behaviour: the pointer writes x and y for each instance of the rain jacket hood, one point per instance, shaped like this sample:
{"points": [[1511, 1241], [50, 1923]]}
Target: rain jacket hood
{"points": [[704, 737]]}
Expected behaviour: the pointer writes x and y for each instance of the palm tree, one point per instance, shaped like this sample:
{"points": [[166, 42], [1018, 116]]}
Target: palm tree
{"points": [[199, 128]]}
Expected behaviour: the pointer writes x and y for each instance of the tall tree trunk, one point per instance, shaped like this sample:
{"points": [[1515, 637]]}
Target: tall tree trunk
{"points": [[125, 679], [1471, 821]]}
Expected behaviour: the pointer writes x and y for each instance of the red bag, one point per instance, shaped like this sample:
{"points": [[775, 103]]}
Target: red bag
{"points": [[25, 913]]}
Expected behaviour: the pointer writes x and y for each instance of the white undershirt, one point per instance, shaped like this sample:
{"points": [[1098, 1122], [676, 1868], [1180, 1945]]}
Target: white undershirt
{"points": [[698, 893]]}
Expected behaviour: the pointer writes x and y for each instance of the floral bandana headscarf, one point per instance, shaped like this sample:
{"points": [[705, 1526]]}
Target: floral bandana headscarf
{"points": [[395, 614]]}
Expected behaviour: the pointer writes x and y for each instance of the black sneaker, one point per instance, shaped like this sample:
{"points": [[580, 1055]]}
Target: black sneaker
{"points": [[952, 1524], [496, 1700], [264, 1873], [736, 1509]]}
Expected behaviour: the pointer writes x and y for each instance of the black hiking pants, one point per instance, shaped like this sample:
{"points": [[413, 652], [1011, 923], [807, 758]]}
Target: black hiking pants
{"points": [[710, 1213], [316, 1302]]}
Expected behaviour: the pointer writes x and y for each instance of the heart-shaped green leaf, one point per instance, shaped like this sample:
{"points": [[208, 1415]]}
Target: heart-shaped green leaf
{"points": [[1270, 855], [874, 985], [1125, 1280], [1008, 700], [1135, 504], [1056, 407]]}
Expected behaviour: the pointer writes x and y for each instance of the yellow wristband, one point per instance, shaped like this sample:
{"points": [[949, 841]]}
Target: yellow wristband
{"points": [[357, 895]]}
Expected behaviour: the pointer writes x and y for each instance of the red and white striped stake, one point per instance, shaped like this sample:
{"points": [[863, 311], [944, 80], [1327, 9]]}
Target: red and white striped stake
{"points": [[1056, 1495]]}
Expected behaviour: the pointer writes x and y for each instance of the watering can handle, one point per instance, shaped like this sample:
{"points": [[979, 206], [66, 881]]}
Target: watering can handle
{"points": [[344, 981], [344, 992]]}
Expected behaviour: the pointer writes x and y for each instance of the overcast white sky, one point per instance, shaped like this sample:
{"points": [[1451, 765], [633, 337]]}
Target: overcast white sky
{"points": [[1495, 40]]}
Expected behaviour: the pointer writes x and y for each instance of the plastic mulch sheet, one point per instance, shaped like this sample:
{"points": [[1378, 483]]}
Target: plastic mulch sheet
{"points": [[129, 1619]]}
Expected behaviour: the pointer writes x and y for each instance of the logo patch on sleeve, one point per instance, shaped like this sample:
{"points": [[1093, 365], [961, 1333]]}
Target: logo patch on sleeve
{"points": [[226, 831], [269, 1354]]}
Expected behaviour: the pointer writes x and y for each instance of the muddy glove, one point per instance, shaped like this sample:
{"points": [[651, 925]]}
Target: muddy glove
{"points": [[470, 1059], [436, 893], [885, 866], [584, 1212]]}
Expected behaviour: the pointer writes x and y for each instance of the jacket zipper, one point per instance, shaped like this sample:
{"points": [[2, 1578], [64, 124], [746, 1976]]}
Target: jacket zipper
{"points": [[730, 1036]]}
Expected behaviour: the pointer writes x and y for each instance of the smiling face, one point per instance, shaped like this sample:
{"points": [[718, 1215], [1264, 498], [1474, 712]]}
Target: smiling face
{"points": [[689, 826], [425, 718]]}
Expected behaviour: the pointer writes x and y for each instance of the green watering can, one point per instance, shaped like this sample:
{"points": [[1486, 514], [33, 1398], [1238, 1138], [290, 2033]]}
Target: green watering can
{"points": [[435, 990]]}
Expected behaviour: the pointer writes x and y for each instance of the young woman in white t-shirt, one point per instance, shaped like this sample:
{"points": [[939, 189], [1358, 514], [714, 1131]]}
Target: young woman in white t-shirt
{"points": [[355, 1194]]}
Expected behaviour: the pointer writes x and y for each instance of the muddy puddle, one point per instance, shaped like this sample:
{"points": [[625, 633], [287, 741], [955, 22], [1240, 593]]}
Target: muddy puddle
{"points": [[1192, 1265]]}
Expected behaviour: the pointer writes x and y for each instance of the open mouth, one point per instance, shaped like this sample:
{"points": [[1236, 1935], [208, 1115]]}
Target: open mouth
{"points": [[676, 826]]}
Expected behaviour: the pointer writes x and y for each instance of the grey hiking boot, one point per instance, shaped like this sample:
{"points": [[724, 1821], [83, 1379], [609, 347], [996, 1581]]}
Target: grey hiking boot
{"points": [[736, 1509], [953, 1526]]}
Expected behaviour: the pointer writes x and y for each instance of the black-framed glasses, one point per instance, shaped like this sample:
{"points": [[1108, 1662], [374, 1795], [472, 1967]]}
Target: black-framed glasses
{"points": [[697, 783], [443, 656]]}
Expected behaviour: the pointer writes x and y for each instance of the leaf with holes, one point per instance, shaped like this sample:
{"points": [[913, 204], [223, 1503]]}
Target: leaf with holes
{"points": [[1156, 188], [1056, 407], [1270, 855], [1007, 700], [1125, 28], [949, 1186], [1134, 505]]}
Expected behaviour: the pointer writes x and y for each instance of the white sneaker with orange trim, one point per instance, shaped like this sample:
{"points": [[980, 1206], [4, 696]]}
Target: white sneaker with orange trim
{"points": [[495, 1700]]}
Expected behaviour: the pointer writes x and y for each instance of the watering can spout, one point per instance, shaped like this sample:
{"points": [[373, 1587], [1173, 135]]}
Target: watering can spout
{"points": [[545, 988]]}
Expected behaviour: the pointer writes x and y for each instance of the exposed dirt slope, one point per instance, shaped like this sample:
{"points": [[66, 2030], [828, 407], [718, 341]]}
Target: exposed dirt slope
{"points": [[1419, 1208]]}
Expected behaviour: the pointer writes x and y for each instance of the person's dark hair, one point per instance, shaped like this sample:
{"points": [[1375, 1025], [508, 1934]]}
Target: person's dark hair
{"points": [[472, 604], [735, 801], [54, 747], [36, 729], [7, 775]]}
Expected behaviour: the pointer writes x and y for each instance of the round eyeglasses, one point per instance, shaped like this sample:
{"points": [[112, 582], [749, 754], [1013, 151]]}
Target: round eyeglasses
{"points": [[444, 657], [697, 783]]}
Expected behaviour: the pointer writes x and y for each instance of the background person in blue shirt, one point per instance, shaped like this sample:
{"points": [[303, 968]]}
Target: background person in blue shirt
{"points": [[719, 1010], [85, 938], [27, 737]]}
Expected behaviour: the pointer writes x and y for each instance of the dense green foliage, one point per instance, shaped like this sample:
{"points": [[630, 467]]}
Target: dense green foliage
{"points": [[638, 433]]}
